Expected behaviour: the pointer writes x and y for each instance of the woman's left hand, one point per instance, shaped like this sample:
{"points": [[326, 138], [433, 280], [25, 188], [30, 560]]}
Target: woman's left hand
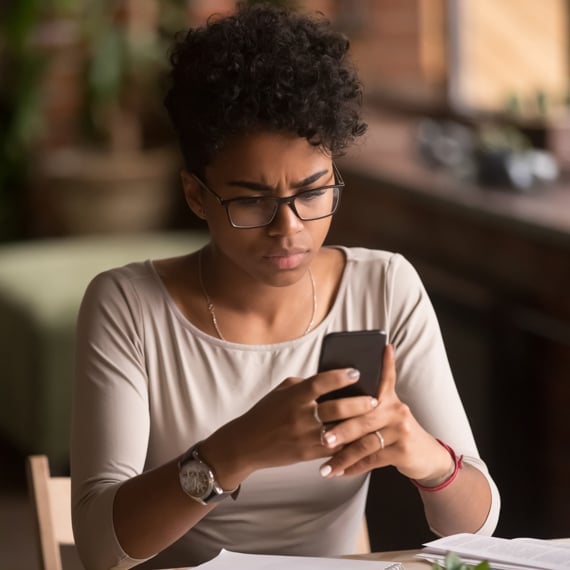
{"points": [[387, 435]]}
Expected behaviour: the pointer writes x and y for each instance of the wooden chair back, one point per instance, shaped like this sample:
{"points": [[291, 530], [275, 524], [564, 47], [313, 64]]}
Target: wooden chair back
{"points": [[363, 541], [51, 502]]}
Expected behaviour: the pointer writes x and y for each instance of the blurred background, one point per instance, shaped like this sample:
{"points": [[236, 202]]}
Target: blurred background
{"points": [[465, 170]]}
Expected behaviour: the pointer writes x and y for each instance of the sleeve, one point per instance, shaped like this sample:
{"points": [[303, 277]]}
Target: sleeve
{"points": [[110, 418], [424, 378]]}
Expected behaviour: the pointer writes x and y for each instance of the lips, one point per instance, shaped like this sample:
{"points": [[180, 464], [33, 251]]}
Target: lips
{"points": [[286, 259]]}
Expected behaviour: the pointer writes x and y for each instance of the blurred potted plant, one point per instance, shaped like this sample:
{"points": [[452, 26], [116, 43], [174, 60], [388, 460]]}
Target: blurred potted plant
{"points": [[118, 177], [505, 157], [545, 121], [20, 106]]}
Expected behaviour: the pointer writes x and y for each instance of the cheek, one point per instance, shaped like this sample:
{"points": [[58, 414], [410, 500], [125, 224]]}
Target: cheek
{"points": [[232, 242], [320, 232]]}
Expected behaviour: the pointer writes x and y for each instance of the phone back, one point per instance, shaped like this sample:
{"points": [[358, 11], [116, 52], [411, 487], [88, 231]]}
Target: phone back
{"points": [[363, 350]]}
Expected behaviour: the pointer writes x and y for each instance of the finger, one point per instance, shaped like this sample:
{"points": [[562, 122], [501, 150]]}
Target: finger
{"points": [[355, 428], [289, 382], [325, 382], [364, 454], [388, 382], [368, 463], [344, 408]]}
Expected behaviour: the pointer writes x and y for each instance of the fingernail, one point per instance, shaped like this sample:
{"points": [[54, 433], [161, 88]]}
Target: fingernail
{"points": [[373, 402], [339, 473], [353, 374], [330, 438], [325, 470]]}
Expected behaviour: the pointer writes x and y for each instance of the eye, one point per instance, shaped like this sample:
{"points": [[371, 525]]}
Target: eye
{"points": [[250, 202], [310, 195]]}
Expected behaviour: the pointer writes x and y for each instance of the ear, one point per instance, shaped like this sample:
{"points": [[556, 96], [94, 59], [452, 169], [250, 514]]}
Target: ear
{"points": [[193, 194]]}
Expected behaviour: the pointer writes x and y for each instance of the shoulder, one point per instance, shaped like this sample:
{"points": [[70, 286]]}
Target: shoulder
{"points": [[122, 288], [369, 262], [372, 272], [120, 278]]}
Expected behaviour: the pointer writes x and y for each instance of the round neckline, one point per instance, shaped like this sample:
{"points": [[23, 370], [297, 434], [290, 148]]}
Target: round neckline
{"points": [[187, 323]]}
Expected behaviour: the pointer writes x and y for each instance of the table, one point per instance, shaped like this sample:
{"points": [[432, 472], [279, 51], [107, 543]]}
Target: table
{"points": [[406, 557]]}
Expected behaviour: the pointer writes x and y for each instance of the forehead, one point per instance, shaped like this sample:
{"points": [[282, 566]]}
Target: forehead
{"points": [[268, 155]]}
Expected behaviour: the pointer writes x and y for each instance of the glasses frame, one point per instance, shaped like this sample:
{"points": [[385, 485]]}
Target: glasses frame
{"points": [[289, 200]]}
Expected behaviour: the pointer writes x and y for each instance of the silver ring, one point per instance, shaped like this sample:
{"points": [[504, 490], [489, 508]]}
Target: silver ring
{"points": [[380, 438], [323, 433], [316, 414]]}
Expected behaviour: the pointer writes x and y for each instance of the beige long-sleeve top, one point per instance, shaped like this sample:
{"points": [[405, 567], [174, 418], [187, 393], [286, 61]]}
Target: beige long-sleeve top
{"points": [[149, 384]]}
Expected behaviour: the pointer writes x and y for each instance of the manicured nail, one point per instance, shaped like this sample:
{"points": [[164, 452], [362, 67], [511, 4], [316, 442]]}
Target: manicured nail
{"points": [[325, 470], [330, 438], [373, 402], [353, 374]]}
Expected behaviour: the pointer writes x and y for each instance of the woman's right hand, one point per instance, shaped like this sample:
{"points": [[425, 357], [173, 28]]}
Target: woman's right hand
{"points": [[281, 429]]}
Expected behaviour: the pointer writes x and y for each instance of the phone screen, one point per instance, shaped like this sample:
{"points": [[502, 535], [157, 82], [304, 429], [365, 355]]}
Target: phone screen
{"points": [[363, 350]]}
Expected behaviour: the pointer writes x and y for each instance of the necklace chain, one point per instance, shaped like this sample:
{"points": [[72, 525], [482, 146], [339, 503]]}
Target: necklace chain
{"points": [[212, 310]]}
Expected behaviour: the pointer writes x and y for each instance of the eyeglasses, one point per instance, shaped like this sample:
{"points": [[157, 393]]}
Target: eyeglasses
{"points": [[260, 211]]}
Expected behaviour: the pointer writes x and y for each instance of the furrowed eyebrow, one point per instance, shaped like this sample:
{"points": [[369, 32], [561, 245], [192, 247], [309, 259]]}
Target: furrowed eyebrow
{"points": [[309, 179], [265, 188]]}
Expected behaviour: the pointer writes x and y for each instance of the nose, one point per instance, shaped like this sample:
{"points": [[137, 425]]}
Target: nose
{"points": [[286, 221]]}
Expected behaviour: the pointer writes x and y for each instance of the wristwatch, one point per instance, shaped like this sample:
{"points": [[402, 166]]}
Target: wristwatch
{"points": [[198, 481]]}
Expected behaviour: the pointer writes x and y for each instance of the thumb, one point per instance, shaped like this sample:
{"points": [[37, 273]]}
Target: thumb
{"points": [[388, 381], [288, 382]]}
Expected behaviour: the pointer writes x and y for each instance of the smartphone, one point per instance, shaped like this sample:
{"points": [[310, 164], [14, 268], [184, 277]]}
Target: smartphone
{"points": [[363, 350]]}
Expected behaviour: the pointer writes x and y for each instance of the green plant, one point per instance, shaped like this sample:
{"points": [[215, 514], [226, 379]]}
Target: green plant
{"points": [[19, 105], [123, 72], [125, 67], [495, 137], [22, 67], [454, 562]]}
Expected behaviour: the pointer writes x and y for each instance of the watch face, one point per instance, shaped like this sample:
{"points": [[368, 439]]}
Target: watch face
{"points": [[196, 479]]}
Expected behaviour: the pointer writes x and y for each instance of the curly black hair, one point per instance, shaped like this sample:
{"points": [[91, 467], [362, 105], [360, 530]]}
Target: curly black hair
{"points": [[262, 67]]}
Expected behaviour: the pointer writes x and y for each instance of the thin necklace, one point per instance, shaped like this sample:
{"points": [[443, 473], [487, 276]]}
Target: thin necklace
{"points": [[212, 310]]}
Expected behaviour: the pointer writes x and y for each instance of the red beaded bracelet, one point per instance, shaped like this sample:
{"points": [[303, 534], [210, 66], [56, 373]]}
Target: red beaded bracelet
{"points": [[457, 465]]}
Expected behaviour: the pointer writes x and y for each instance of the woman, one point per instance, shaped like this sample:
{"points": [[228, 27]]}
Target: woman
{"points": [[196, 425]]}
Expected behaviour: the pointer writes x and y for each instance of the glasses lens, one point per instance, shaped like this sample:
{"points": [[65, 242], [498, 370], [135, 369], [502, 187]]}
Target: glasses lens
{"points": [[317, 203], [252, 212]]}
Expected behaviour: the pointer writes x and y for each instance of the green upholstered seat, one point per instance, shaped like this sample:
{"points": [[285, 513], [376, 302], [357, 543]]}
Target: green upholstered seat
{"points": [[41, 286]]}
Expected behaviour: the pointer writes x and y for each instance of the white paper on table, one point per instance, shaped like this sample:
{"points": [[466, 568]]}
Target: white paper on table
{"points": [[501, 553], [227, 560]]}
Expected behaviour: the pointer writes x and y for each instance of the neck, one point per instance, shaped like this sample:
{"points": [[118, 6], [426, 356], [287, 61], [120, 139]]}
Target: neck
{"points": [[217, 322]]}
